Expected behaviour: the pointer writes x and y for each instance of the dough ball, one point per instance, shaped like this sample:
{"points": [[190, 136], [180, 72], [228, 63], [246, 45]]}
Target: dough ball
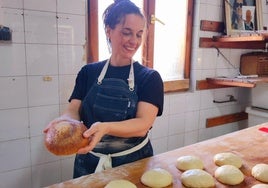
{"points": [[65, 138], [196, 178], [121, 183], [260, 186], [189, 162], [227, 159], [229, 174], [156, 178], [260, 172]]}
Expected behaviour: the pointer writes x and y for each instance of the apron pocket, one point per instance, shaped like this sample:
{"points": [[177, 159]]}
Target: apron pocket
{"points": [[109, 108]]}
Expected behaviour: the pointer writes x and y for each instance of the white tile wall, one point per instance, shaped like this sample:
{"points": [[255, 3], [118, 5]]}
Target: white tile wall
{"points": [[12, 3], [11, 127], [13, 93], [70, 30], [41, 92], [71, 6], [70, 59], [12, 60], [46, 51], [48, 5], [42, 59], [13, 18], [37, 74], [40, 27]]}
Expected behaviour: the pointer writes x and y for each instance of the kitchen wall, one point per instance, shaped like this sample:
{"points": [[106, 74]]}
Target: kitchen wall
{"points": [[37, 73]]}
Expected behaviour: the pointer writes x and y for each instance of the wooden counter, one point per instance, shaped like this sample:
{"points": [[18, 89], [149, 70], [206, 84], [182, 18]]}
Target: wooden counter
{"points": [[250, 144]]}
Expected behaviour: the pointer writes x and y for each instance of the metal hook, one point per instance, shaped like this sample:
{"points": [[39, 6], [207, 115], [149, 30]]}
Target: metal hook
{"points": [[231, 99]]}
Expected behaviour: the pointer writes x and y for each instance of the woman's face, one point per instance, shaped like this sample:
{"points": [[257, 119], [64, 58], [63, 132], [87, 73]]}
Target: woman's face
{"points": [[127, 36]]}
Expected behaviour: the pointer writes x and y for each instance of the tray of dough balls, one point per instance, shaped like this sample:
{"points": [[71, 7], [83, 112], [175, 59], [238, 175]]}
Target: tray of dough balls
{"points": [[238, 159]]}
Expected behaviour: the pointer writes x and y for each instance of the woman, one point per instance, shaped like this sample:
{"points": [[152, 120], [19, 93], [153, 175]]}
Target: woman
{"points": [[117, 99]]}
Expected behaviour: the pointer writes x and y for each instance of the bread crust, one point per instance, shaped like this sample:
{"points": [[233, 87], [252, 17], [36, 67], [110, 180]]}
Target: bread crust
{"points": [[65, 138]]}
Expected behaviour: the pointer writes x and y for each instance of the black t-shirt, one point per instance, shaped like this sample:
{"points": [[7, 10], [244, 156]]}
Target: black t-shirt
{"points": [[148, 82]]}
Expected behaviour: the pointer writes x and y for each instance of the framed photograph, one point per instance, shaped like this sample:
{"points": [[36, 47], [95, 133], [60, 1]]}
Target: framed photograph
{"points": [[243, 16]]}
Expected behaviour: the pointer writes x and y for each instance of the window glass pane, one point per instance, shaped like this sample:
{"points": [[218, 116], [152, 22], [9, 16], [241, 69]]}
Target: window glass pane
{"points": [[169, 42], [103, 46]]}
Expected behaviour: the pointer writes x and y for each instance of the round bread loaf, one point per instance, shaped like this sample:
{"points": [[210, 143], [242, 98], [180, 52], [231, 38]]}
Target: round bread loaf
{"points": [[229, 175], [196, 178], [188, 162], [260, 172], [120, 183], [157, 178], [227, 158], [65, 138]]}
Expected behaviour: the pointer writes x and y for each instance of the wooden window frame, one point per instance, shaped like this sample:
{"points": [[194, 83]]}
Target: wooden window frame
{"points": [[92, 45]]}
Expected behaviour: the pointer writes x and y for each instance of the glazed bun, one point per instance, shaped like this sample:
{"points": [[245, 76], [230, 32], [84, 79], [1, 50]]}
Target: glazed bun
{"points": [[65, 138]]}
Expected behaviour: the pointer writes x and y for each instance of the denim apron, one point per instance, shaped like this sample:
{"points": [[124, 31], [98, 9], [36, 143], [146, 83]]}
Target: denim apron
{"points": [[111, 99]]}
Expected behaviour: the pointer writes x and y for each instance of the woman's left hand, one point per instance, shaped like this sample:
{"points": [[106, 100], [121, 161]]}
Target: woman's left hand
{"points": [[94, 134]]}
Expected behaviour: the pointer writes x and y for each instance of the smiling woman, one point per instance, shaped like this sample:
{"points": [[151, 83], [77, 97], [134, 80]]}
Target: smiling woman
{"points": [[167, 43]]}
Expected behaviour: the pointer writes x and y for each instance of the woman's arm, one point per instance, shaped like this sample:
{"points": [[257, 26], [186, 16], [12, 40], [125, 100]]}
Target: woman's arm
{"points": [[136, 127]]}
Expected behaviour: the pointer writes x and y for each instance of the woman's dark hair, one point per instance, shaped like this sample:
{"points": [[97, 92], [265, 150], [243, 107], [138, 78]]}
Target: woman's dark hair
{"points": [[114, 13]]}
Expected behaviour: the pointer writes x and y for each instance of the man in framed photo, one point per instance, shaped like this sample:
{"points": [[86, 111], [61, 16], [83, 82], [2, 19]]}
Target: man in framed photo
{"points": [[249, 17]]}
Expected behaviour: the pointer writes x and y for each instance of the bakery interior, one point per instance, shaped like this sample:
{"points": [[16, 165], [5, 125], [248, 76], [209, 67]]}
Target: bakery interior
{"points": [[39, 63]]}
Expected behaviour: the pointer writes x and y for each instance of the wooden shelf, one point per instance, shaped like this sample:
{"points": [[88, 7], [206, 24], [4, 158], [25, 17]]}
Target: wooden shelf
{"points": [[222, 82], [240, 41], [242, 38], [246, 40], [212, 43]]}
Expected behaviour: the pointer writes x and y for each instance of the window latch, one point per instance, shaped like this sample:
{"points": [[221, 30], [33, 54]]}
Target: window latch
{"points": [[153, 19]]}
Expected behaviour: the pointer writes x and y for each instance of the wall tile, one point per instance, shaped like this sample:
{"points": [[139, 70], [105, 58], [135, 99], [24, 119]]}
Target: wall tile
{"points": [[12, 3], [66, 87], [205, 134], [207, 98], [67, 165], [178, 103], [14, 154], [43, 92], [12, 60], [13, 18], [190, 138], [70, 59], [71, 29], [40, 27], [158, 129], [13, 92], [16, 178], [160, 145], [46, 174], [14, 128], [191, 121], [41, 59], [192, 101], [175, 141], [176, 124], [39, 152], [48, 5], [40, 116], [71, 6]]}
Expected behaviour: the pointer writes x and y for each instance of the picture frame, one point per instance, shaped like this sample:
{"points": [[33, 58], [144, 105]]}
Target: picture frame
{"points": [[243, 16]]}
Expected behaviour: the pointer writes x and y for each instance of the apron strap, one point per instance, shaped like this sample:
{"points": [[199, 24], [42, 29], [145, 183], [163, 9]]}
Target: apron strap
{"points": [[105, 161], [131, 80]]}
